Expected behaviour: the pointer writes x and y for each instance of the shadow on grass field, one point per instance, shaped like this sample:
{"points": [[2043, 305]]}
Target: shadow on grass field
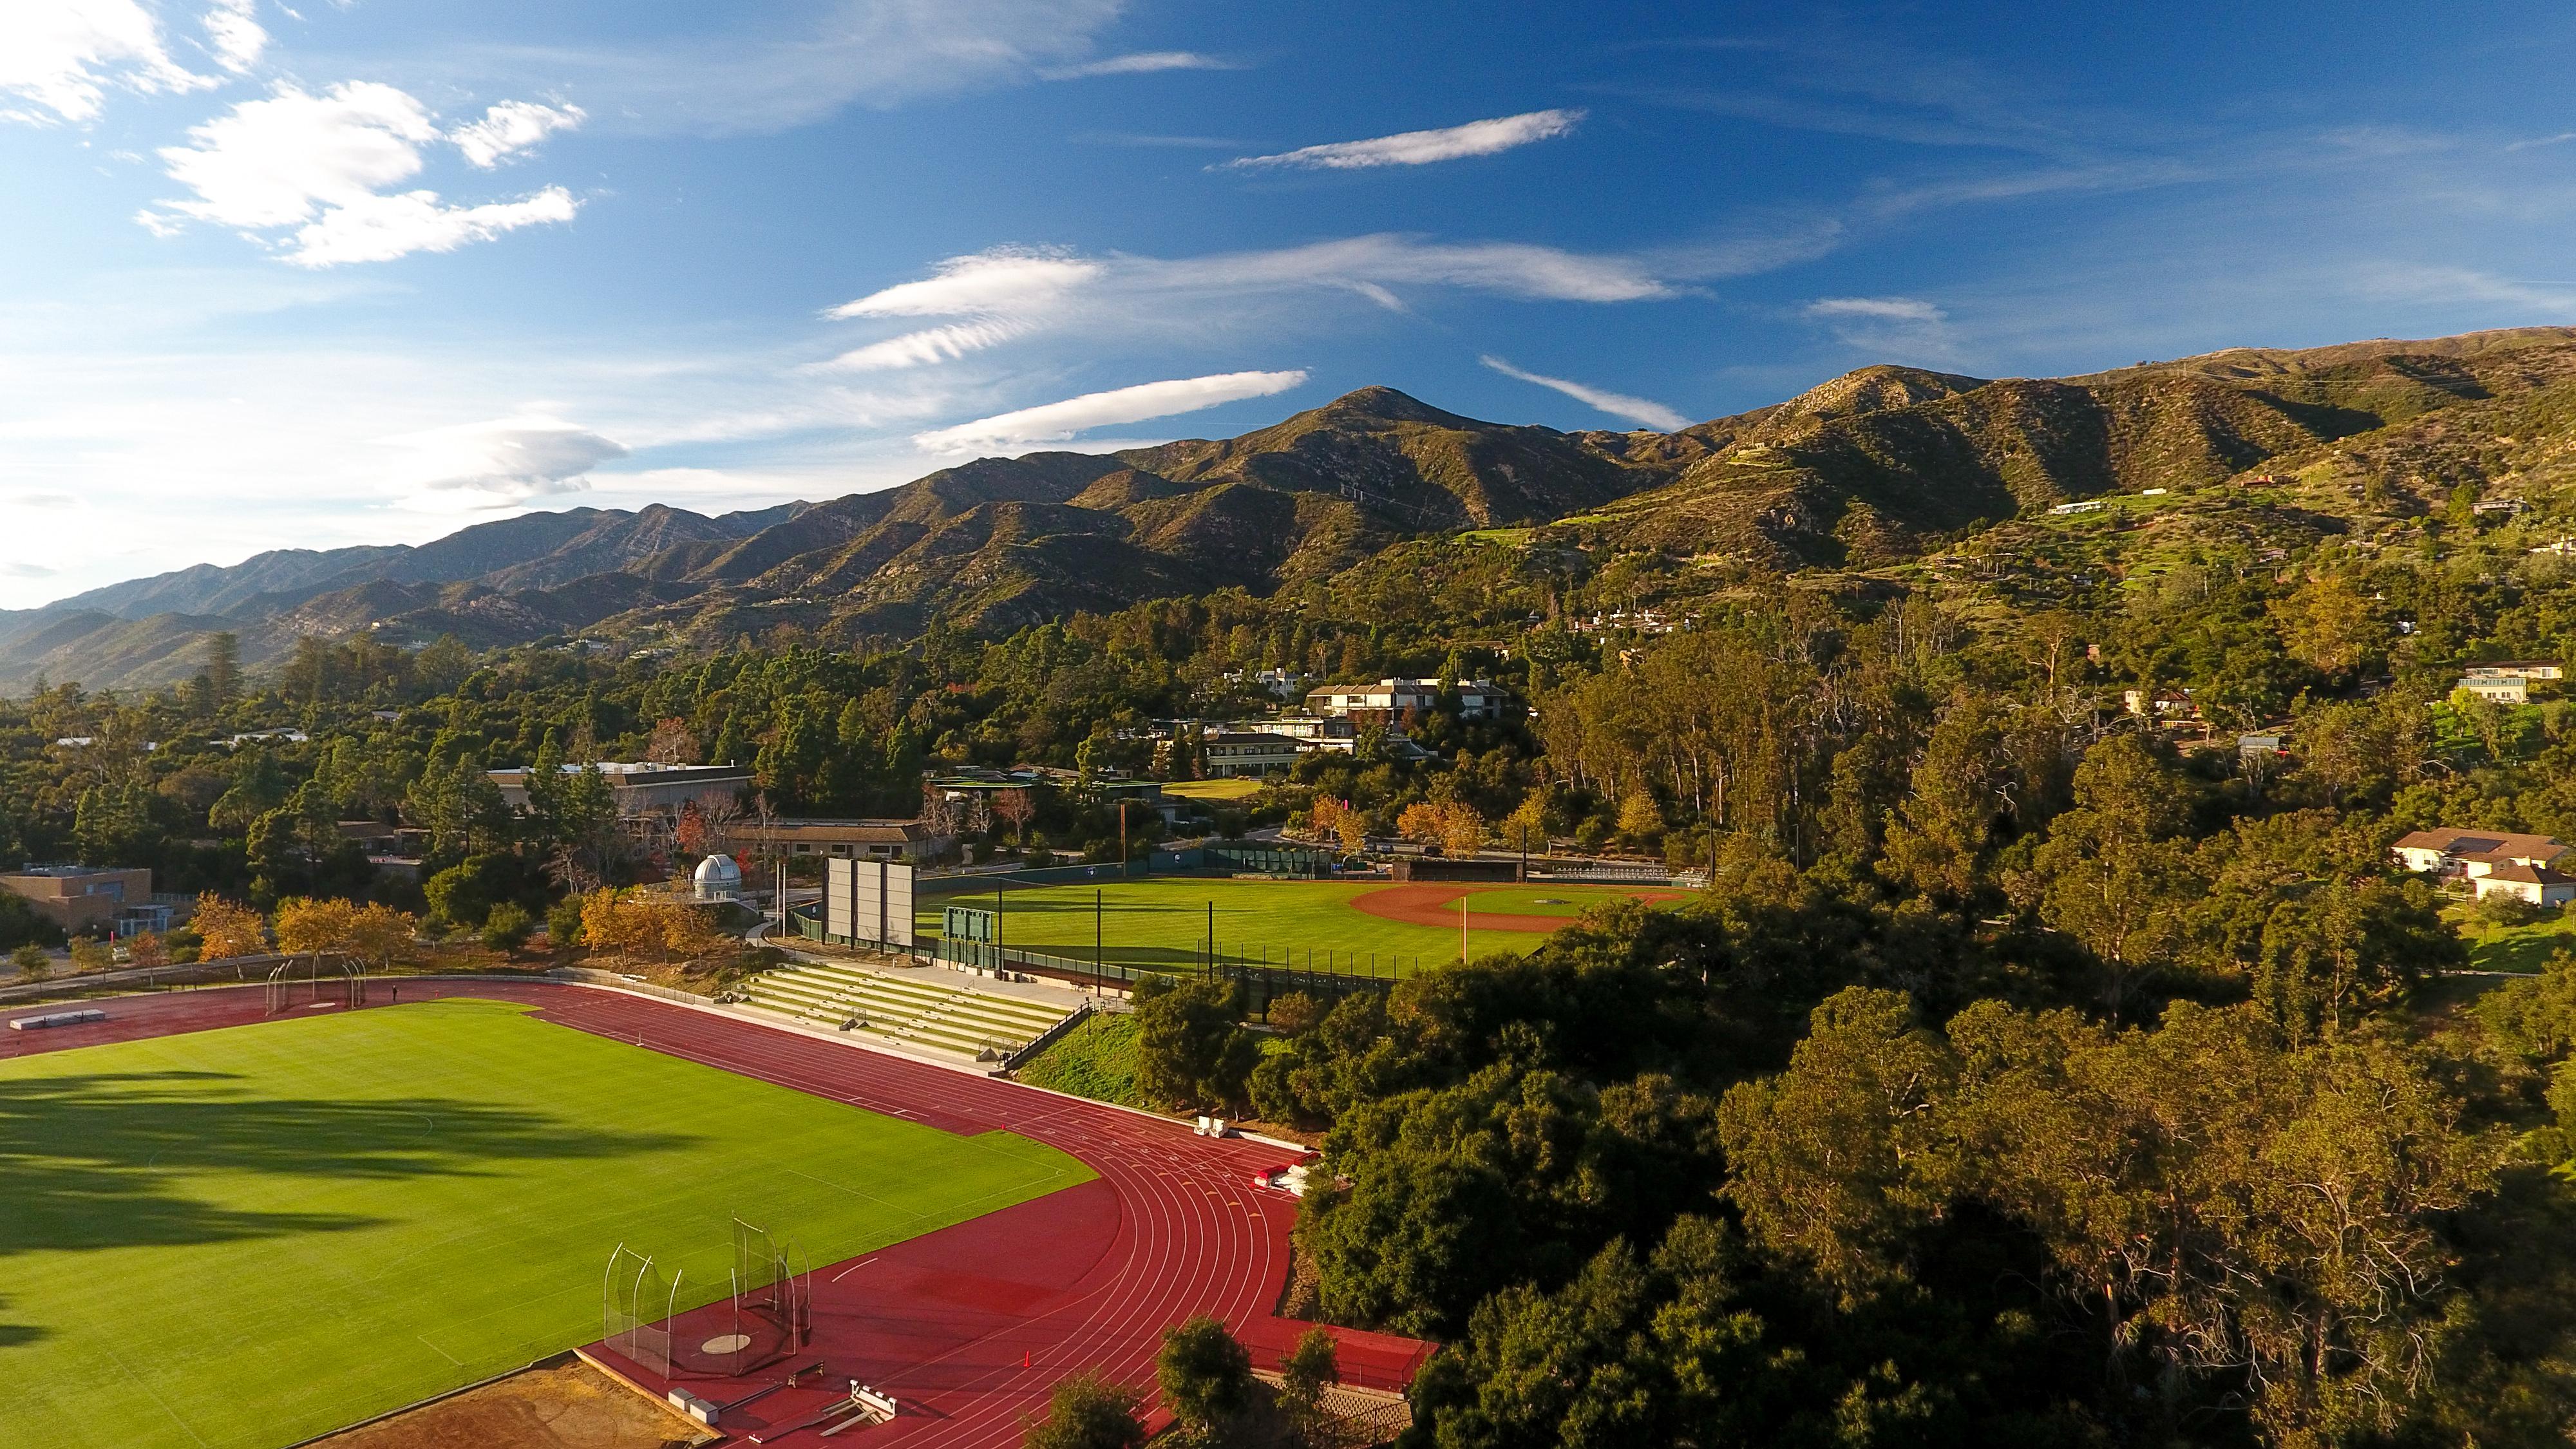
{"points": [[102, 1160], [240, 1238]]}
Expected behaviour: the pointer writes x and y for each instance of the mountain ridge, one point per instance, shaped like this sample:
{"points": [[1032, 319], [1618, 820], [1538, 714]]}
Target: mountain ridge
{"points": [[1869, 468]]}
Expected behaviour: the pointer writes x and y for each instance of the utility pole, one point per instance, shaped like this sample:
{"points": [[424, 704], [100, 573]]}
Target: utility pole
{"points": [[1122, 840], [1099, 957], [1462, 930]]}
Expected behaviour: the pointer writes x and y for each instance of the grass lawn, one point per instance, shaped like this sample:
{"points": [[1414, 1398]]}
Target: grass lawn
{"points": [[2525, 947], [1163, 921], [1096, 1059], [1212, 790], [250, 1236]]}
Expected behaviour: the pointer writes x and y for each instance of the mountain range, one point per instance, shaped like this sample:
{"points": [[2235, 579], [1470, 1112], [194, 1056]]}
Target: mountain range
{"points": [[1870, 469]]}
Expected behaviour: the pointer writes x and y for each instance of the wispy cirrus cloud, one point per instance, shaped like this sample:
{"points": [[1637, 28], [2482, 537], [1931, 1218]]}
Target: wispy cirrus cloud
{"points": [[1617, 404], [1899, 329], [1420, 148], [754, 69], [1146, 62], [1058, 421], [1008, 293], [306, 172], [1881, 309]]}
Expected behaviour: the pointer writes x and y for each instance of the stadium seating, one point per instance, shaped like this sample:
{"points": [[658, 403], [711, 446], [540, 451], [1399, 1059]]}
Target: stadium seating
{"points": [[906, 1009]]}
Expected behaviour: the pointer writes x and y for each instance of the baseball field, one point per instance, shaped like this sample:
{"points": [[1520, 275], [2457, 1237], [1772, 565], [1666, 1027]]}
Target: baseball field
{"points": [[244, 1237], [1368, 925]]}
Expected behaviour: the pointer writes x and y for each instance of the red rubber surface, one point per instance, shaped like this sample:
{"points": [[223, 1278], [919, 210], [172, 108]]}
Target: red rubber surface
{"points": [[971, 1326]]}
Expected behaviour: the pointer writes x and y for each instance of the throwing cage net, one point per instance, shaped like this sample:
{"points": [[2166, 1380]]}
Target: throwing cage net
{"points": [[767, 1314], [339, 980], [636, 1309]]}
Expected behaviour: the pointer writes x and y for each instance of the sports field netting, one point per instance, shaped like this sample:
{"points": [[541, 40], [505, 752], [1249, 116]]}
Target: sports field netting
{"points": [[1163, 920], [246, 1237]]}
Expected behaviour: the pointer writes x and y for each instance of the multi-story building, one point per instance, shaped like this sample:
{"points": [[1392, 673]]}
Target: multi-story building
{"points": [[1249, 754], [640, 788], [84, 897], [1389, 701]]}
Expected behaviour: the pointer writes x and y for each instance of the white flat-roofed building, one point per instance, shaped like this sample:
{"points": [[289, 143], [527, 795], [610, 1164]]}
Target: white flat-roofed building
{"points": [[640, 788], [1391, 699], [1250, 754]]}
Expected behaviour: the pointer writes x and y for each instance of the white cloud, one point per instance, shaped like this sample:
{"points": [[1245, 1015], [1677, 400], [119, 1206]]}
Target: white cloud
{"points": [[1141, 63], [62, 55], [1510, 269], [510, 128], [930, 345], [1004, 280], [1618, 405], [44, 500], [500, 462], [1892, 329], [381, 228], [1883, 309], [1057, 421], [1009, 293], [318, 164], [2560, 139], [234, 34], [1421, 148]]}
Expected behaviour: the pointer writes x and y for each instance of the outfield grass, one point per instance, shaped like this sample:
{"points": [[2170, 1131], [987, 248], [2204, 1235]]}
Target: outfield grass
{"points": [[246, 1237], [1213, 789], [1163, 921]]}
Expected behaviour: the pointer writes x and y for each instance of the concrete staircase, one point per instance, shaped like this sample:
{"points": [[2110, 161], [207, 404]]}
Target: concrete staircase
{"points": [[983, 1025]]}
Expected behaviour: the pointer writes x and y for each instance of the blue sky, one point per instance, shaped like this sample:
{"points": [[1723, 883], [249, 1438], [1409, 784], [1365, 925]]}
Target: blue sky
{"points": [[369, 271]]}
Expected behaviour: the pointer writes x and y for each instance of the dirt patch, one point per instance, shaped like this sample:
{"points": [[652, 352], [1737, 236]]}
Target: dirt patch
{"points": [[561, 1405], [1437, 905]]}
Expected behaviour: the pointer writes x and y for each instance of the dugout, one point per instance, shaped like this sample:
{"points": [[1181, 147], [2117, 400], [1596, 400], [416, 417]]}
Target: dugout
{"points": [[1440, 868]]}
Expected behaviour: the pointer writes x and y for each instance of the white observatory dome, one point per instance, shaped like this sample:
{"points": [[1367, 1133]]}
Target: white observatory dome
{"points": [[718, 878]]}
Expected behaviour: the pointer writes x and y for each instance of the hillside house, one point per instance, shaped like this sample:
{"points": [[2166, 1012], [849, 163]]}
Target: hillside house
{"points": [[2524, 669], [2537, 884], [2477, 855], [2495, 689]]}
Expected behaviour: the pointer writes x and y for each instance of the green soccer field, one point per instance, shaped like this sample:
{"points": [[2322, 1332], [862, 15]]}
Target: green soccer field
{"points": [[250, 1236], [1163, 921]]}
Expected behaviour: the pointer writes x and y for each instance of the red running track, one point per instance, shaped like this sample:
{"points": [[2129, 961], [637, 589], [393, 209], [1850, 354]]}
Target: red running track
{"points": [[969, 1327]]}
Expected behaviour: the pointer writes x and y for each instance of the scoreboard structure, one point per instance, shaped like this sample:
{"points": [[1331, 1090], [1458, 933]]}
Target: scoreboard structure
{"points": [[868, 903]]}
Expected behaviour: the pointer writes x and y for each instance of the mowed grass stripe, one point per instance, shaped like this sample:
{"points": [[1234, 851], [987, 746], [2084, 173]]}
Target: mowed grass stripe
{"points": [[242, 1238], [1163, 920]]}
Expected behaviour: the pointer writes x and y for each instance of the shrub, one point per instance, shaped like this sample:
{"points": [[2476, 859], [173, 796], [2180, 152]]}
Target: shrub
{"points": [[1087, 1412], [32, 962], [563, 923], [92, 954], [507, 927]]}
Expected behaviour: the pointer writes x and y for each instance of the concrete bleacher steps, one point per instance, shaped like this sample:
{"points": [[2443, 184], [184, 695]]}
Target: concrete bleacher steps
{"points": [[910, 1011]]}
